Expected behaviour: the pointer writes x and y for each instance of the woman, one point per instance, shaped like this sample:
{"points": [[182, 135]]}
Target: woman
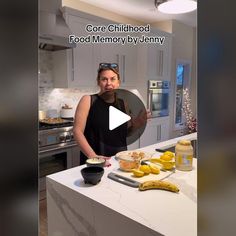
{"points": [[91, 126]]}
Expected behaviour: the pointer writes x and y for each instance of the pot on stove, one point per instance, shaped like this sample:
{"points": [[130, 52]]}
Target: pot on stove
{"points": [[67, 111]]}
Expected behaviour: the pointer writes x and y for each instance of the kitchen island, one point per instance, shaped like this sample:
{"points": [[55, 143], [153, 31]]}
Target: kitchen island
{"points": [[111, 209]]}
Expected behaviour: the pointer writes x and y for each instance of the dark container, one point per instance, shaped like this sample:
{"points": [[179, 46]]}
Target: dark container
{"points": [[92, 174]]}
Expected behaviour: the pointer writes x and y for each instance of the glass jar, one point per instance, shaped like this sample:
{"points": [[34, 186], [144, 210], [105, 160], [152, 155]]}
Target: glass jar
{"points": [[184, 155]]}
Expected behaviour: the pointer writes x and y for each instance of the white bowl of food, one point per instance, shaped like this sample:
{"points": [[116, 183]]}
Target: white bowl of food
{"points": [[96, 161], [129, 160]]}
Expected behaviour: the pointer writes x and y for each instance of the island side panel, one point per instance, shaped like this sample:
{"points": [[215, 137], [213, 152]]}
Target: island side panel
{"points": [[70, 213]]}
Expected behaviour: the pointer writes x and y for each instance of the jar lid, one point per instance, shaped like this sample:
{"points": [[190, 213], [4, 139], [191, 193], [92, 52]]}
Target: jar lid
{"points": [[184, 142]]}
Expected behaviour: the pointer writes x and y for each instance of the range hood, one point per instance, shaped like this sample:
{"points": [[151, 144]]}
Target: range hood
{"points": [[53, 30]]}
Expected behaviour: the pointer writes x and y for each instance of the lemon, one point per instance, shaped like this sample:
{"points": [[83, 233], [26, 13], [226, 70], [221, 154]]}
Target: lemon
{"points": [[166, 157], [155, 160], [171, 154], [145, 168], [154, 169], [138, 173], [168, 165]]}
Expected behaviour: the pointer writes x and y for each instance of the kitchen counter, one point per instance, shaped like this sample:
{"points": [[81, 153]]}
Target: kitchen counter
{"points": [[110, 208]]}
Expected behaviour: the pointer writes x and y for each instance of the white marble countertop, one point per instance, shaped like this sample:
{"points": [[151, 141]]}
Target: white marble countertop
{"points": [[164, 212]]}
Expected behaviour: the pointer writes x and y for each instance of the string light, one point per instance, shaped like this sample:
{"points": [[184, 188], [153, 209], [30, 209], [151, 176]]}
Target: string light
{"points": [[190, 120]]}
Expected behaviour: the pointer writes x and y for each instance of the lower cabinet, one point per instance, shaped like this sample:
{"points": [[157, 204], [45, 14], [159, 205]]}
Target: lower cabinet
{"points": [[151, 135], [156, 131]]}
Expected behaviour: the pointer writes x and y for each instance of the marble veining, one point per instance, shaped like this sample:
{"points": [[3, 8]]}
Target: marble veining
{"points": [[70, 214]]}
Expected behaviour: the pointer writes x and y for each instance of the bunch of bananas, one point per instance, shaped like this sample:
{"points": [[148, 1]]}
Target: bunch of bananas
{"points": [[158, 184], [166, 160]]}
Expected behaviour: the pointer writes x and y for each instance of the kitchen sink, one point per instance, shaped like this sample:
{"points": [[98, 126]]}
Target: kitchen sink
{"points": [[172, 148]]}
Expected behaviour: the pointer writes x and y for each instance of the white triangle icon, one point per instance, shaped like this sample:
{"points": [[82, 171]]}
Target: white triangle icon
{"points": [[117, 118]]}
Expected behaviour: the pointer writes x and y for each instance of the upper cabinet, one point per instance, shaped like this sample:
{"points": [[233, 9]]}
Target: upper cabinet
{"points": [[84, 55], [76, 68], [126, 57], [159, 59]]}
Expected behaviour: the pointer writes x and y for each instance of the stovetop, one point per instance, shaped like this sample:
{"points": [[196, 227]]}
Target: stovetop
{"points": [[44, 126]]}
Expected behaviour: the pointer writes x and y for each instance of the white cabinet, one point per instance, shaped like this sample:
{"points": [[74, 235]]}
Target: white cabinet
{"points": [[84, 58], [158, 60], [81, 63], [125, 56], [63, 74], [157, 130], [151, 135], [76, 68]]}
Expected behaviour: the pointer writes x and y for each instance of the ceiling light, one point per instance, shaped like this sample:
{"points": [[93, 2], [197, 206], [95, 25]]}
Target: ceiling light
{"points": [[175, 6]]}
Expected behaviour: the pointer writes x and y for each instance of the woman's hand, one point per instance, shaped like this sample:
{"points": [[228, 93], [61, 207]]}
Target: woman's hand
{"points": [[107, 160]]}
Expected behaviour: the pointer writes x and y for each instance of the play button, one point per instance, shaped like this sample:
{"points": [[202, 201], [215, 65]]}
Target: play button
{"points": [[117, 118], [111, 125]]}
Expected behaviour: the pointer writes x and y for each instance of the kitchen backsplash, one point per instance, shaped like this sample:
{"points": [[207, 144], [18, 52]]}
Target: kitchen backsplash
{"points": [[49, 97]]}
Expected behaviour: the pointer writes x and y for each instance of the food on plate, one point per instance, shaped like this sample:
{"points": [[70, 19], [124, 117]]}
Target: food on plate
{"points": [[145, 168], [129, 160], [137, 155], [128, 165], [155, 160], [138, 173], [96, 161], [154, 169], [167, 165], [165, 157], [158, 184], [53, 120], [171, 154]]}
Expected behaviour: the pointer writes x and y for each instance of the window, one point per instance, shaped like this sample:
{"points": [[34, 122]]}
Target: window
{"points": [[182, 81]]}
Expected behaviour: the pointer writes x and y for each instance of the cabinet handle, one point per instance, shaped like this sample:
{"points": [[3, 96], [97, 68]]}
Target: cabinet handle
{"points": [[117, 59], [158, 132], [161, 54], [160, 63], [73, 65], [123, 68], [149, 104]]}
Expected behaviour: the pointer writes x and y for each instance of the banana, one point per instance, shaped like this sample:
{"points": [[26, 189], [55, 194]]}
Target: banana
{"points": [[158, 184]]}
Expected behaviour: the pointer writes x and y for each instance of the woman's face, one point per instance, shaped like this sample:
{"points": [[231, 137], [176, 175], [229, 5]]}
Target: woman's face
{"points": [[108, 81]]}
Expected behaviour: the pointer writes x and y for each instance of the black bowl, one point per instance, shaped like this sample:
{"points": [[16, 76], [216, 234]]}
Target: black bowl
{"points": [[92, 174]]}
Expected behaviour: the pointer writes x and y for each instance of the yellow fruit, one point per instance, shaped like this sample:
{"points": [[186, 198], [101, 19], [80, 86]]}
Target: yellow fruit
{"points": [[166, 157], [168, 165], [138, 173], [154, 169], [145, 168], [155, 160], [158, 184], [171, 154]]}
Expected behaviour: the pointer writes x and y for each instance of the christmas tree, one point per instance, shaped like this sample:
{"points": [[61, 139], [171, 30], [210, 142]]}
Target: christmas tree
{"points": [[190, 120]]}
